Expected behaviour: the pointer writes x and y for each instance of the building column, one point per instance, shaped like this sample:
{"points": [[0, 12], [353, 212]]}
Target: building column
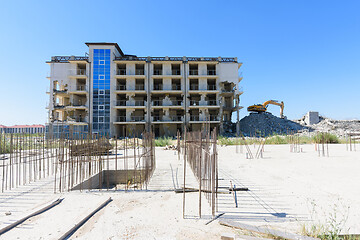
{"points": [[237, 116], [185, 91], [221, 130], [148, 97]]}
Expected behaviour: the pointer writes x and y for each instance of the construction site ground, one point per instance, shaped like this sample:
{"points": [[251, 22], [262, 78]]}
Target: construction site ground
{"points": [[286, 190]]}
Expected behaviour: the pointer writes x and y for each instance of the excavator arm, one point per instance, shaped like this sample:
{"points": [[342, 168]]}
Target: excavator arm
{"points": [[273, 102], [263, 107]]}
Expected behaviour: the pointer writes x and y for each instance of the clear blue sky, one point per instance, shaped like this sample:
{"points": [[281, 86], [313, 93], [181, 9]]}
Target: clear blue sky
{"points": [[305, 52]]}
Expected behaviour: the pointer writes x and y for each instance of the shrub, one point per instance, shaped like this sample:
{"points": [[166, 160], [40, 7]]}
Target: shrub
{"points": [[227, 141], [163, 141], [276, 140], [326, 137], [5, 148]]}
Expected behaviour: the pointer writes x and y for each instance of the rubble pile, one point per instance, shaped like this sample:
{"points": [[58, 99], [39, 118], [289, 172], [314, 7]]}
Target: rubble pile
{"points": [[336, 127], [266, 124], [229, 129]]}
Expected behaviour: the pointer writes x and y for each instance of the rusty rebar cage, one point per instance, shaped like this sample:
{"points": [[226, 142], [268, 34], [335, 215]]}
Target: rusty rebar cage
{"points": [[200, 152], [74, 163], [101, 163]]}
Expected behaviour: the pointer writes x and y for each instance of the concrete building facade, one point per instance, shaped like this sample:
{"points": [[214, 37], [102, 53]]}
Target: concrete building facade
{"points": [[109, 92]]}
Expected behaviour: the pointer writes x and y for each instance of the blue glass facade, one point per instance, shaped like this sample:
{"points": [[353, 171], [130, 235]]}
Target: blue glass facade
{"points": [[101, 91], [66, 131]]}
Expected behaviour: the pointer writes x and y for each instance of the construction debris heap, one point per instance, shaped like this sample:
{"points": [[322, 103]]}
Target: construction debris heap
{"points": [[265, 124]]}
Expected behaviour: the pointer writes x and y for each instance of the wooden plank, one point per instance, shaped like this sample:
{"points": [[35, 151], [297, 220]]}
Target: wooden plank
{"points": [[214, 218], [69, 233], [189, 190], [277, 233]]}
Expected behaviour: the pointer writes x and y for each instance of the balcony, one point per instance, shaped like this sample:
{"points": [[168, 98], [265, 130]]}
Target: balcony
{"points": [[78, 72], [194, 87], [79, 104], [157, 103], [120, 103], [194, 103], [167, 119], [176, 87], [140, 87], [211, 72], [228, 90], [137, 87], [139, 72], [121, 88], [176, 102], [59, 106], [139, 103], [125, 103], [77, 119], [60, 92], [81, 88], [212, 102], [137, 118], [194, 118], [213, 118], [211, 87], [121, 72], [175, 72], [120, 119], [228, 106], [209, 103], [158, 72], [193, 72], [158, 87], [176, 118]]}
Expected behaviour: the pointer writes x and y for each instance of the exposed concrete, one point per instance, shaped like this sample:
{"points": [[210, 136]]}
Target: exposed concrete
{"points": [[312, 118], [111, 177]]}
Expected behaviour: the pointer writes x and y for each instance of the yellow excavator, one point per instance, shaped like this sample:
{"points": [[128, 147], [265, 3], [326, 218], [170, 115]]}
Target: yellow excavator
{"points": [[263, 107]]}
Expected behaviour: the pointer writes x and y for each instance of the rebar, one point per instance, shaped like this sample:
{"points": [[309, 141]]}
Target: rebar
{"points": [[200, 152], [73, 158]]}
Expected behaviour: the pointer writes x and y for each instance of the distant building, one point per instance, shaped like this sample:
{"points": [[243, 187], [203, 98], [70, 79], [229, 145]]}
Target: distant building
{"points": [[112, 93], [31, 129]]}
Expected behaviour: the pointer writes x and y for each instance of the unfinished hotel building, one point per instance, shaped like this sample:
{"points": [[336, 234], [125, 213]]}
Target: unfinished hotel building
{"points": [[109, 92]]}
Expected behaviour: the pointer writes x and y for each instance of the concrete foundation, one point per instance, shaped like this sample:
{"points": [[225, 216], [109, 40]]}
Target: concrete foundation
{"points": [[112, 178]]}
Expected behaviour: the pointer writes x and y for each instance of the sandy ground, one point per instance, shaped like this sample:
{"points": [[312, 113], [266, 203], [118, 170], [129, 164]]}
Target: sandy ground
{"points": [[297, 187], [284, 187]]}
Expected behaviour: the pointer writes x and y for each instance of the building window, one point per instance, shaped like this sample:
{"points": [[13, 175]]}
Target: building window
{"points": [[101, 62], [101, 92], [101, 107], [101, 119]]}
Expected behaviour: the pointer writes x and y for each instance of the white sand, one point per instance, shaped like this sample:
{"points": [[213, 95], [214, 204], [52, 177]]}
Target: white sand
{"points": [[282, 186]]}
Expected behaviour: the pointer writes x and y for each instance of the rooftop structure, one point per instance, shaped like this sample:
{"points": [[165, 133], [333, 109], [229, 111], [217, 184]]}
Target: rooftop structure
{"points": [[111, 93]]}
